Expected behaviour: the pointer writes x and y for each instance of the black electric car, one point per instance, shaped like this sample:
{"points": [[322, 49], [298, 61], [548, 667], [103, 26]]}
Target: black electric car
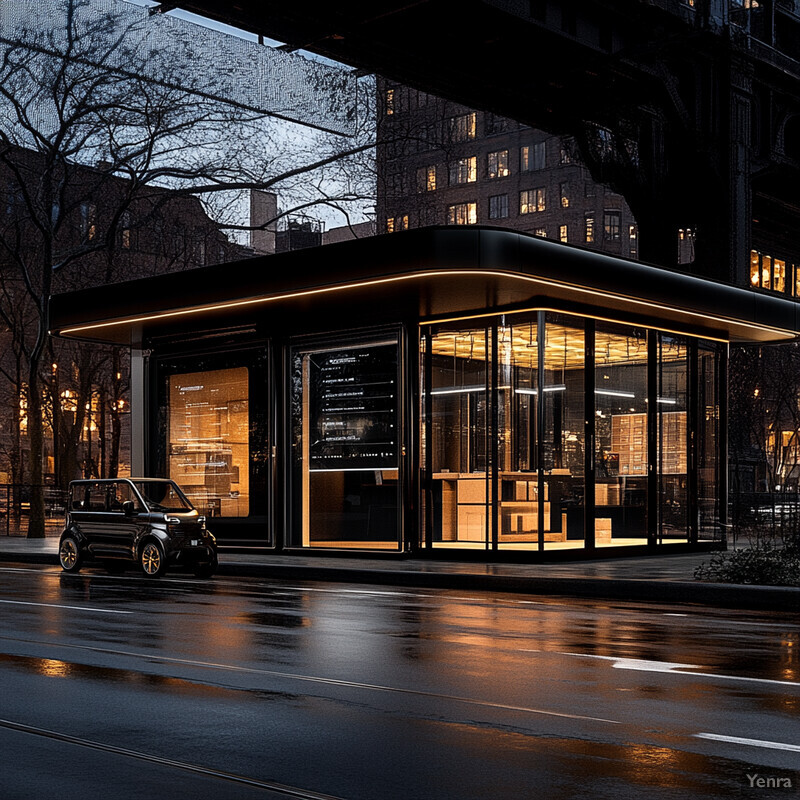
{"points": [[148, 521]]}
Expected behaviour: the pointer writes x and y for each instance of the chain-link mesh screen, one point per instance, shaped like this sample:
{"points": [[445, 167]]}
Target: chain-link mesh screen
{"points": [[176, 52]]}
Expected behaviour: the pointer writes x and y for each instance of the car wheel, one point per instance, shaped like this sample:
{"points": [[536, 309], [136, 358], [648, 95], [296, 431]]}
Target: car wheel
{"points": [[152, 559], [69, 554], [206, 569]]}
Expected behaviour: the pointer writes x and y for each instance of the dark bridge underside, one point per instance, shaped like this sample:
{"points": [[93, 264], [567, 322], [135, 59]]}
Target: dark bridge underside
{"points": [[704, 93]]}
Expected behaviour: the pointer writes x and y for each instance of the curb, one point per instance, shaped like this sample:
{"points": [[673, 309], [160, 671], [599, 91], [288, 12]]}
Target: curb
{"points": [[719, 595]]}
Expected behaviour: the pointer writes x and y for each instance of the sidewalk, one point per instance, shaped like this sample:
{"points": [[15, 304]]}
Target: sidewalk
{"points": [[659, 578]]}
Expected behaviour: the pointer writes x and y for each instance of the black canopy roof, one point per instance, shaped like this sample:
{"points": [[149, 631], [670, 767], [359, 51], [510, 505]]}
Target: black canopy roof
{"points": [[421, 274]]}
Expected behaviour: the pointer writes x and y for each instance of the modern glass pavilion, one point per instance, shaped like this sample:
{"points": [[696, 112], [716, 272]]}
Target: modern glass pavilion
{"points": [[441, 390]]}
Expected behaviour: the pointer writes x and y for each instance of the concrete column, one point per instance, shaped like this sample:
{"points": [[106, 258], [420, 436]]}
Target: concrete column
{"points": [[139, 363]]}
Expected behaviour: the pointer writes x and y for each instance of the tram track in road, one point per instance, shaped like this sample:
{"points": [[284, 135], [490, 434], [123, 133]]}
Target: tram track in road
{"points": [[198, 769]]}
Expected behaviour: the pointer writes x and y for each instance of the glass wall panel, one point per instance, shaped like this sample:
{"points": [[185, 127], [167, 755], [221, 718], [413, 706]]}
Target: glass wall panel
{"points": [[708, 418], [672, 433], [620, 435], [517, 384], [541, 424], [516, 391], [346, 442], [562, 407], [208, 444], [458, 436]]}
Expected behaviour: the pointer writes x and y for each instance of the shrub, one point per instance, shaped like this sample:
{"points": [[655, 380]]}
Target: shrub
{"points": [[762, 565]]}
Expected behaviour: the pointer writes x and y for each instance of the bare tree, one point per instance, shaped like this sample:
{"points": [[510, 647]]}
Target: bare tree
{"points": [[83, 146], [764, 426]]}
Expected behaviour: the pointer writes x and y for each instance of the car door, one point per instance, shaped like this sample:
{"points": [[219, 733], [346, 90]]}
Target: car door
{"points": [[120, 529]]}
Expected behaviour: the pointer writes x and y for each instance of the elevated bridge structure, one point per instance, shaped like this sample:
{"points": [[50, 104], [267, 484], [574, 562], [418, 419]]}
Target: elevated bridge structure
{"points": [[688, 108]]}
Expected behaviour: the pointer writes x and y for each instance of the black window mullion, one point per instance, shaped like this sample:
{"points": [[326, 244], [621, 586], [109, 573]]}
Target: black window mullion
{"points": [[540, 426], [589, 434], [427, 481], [653, 501], [492, 449], [693, 414]]}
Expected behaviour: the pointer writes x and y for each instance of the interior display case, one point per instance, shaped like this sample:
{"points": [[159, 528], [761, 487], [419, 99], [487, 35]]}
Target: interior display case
{"points": [[208, 439]]}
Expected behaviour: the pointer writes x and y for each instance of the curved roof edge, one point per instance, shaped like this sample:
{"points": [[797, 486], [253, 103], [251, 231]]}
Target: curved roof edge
{"points": [[445, 269]]}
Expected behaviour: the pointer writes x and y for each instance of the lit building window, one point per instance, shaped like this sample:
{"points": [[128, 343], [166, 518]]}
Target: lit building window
{"points": [[88, 221], [589, 229], [463, 127], [564, 191], [540, 232], [779, 275], [564, 155], [633, 238], [462, 214], [497, 166], [426, 178], [562, 233], [464, 170], [498, 206], [768, 272], [611, 224], [532, 157], [389, 102], [532, 201], [398, 223], [755, 277]]}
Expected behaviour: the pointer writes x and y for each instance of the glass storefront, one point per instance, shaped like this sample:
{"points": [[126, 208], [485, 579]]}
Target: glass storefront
{"points": [[540, 431], [513, 450], [346, 444]]}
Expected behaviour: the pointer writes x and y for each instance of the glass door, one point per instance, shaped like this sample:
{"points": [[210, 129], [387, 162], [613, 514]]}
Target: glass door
{"points": [[458, 437], [673, 439], [346, 444], [621, 435]]}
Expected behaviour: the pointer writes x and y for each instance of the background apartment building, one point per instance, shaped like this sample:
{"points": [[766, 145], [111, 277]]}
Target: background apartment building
{"points": [[443, 163]]}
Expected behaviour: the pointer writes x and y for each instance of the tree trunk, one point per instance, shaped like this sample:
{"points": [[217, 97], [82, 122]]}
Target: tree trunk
{"points": [[36, 528]]}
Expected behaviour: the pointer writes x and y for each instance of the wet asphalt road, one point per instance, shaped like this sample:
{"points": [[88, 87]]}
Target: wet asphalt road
{"points": [[116, 686]]}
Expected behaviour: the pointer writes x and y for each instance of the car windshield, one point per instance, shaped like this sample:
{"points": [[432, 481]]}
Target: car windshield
{"points": [[163, 496]]}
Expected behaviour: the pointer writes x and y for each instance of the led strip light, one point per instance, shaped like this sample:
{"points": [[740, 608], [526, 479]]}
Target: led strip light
{"points": [[258, 301]]}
